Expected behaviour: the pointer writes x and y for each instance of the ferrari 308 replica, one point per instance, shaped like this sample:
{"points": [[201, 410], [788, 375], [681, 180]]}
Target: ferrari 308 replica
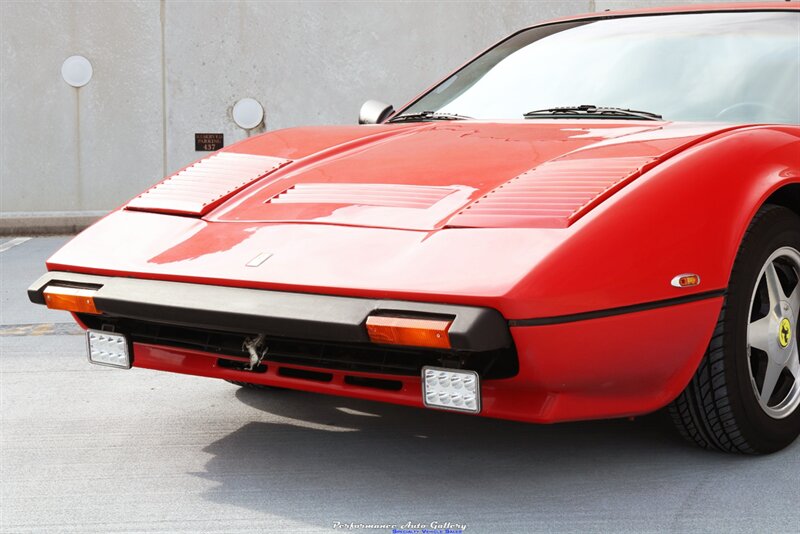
{"points": [[598, 217]]}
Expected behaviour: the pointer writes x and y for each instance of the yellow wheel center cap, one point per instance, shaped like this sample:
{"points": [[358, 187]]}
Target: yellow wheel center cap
{"points": [[785, 333]]}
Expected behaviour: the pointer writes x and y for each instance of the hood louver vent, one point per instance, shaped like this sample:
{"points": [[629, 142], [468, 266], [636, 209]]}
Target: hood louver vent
{"points": [[204, 185], [383, 195], [553, 195]]}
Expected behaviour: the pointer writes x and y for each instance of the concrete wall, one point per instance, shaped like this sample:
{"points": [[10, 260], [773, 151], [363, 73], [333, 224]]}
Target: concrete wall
{"points": [[165, 70]]}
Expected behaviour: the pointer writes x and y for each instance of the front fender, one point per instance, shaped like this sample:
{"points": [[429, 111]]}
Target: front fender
{"points": [[687, 215], [607, 334]]}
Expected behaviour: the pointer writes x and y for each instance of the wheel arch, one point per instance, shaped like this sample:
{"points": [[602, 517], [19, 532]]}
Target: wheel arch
{"points": [[787, 195], [774, 180]]}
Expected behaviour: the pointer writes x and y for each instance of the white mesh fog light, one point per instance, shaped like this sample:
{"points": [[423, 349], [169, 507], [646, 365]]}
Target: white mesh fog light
{"points": [[108, 348], [451, 389]]}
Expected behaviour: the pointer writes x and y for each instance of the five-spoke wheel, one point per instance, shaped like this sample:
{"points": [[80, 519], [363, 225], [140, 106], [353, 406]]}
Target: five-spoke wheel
{"points": [[771, 341], [745, 394]]}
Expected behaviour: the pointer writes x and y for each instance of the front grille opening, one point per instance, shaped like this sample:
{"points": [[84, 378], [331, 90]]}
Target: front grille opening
{"points": [[304, 374], [376, 383], [347, 357], [241, 366]]}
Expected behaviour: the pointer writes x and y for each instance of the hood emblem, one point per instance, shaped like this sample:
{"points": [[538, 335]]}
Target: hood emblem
{"points": [[258, 260]]}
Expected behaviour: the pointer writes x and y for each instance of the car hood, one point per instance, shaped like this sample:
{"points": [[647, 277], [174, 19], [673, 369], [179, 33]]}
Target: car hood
{"points": [[427, 176], [466, 255]]}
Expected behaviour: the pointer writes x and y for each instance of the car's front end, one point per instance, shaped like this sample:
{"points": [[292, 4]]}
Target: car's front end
{"points": [[512, 257], [516, 297]]}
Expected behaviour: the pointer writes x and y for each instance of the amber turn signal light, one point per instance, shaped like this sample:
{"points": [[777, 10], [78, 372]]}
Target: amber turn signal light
{"points": [[410, 331], [686, 280], [71, 299]]}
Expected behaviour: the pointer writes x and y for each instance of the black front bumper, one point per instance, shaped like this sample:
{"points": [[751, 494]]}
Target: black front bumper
{"points": [[302, 316]]}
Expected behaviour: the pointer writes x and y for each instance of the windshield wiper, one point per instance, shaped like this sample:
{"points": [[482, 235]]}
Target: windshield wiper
{"points": [[429, 116], [591, 111]]}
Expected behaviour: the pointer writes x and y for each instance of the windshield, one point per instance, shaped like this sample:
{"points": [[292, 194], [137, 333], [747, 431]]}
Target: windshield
{"points": [[729, 67]]}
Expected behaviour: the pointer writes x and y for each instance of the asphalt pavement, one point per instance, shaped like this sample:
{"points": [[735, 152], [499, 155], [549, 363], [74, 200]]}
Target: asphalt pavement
{"points": [[93, 449]]}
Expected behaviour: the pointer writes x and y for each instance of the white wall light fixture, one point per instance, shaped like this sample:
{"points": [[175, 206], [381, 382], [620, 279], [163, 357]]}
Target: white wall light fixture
{"points": [[248, 113], [76, 71]]}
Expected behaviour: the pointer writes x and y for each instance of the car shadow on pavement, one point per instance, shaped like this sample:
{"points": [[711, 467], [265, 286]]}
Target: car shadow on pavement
{"points": [[322, 459]]}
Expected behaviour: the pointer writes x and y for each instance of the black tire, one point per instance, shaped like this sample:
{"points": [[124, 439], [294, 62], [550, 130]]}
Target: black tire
{"points": [[719, 409], [250, 385]]}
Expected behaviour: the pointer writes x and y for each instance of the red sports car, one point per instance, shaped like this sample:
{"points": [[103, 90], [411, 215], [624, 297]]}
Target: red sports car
{"points": [[597, 217]]}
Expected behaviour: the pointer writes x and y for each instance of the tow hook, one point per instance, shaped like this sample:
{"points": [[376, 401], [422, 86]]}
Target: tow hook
{"points": [[256, 348]]}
